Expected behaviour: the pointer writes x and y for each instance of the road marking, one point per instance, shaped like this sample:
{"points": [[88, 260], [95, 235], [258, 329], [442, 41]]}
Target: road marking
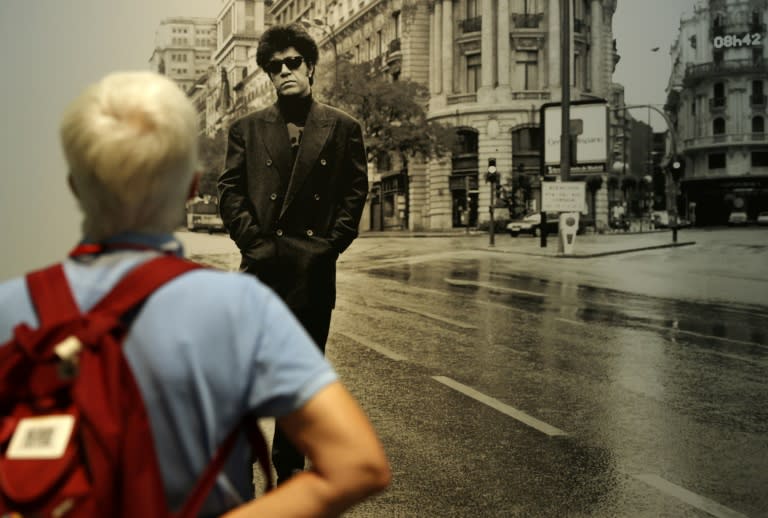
{"points": [[392, 355], [491, 286], [690, 498], [432, 316], [501, 407]]}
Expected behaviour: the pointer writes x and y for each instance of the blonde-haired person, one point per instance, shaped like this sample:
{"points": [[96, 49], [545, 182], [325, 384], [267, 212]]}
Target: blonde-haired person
{"points": [[201, 363]]}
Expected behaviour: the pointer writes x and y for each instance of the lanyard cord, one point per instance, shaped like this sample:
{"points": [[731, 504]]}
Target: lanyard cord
{"points": [[100, 248]]}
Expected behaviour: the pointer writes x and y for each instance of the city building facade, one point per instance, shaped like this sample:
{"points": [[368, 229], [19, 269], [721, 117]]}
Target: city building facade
{"points": [[717, 100], [183, 48], [493, 63], [488, 67]]}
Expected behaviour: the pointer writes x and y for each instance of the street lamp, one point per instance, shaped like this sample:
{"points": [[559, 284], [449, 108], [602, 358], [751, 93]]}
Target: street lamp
{"points": [[327, 30]]}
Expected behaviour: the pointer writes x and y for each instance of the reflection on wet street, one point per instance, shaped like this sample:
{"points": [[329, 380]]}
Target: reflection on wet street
{"points": [[506, 384], [658, 399]]}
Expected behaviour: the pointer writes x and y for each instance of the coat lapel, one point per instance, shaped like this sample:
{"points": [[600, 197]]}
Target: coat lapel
{"points": [[276, 140], [316, 132]]}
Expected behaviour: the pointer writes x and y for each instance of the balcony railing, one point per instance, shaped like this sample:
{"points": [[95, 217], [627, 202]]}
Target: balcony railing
{"points": [[724, 139], [532, 94], [527, 21], [718, 104], [394, 45], [471, 24], [696, 72], [757, 100]]}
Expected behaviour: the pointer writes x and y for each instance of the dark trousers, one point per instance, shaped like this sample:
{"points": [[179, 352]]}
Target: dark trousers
{"points": [[285, 457]]}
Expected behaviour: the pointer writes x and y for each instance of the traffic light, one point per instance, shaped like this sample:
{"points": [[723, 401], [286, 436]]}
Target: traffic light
{"points": [[677, 167], [492, 176]]}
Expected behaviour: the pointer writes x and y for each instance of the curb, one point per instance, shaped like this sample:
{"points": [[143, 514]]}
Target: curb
{"points": [[596, 254]]}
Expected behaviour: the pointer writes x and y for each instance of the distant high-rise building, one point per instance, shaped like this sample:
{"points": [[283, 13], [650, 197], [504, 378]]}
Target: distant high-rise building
{"points": [[717, 101], [183, 48]]}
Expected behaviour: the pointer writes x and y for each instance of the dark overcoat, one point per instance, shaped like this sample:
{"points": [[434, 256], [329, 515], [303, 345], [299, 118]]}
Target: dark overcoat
{"points": [[291, 220]]}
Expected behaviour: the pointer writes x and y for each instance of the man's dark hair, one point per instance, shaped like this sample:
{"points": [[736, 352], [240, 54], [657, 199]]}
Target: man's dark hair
{"points": [[280, 37]]}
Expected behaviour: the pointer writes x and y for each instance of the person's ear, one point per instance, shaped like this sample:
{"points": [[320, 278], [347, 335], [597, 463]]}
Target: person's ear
{"points": [[193, 185], [311, 73]]}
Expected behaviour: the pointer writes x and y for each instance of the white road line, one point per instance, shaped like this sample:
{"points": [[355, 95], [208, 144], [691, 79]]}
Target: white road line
{"points": [[491, 286], [690, 498], [392, 355], [501, 407], [432, 316]]}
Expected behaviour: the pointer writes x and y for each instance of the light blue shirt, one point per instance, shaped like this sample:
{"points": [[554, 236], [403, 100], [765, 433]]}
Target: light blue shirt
{"points": [[206, 349]]}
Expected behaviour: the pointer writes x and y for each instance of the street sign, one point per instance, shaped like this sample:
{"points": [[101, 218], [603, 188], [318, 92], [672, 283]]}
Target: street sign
{"points": [[562, 196], [588, 129]]}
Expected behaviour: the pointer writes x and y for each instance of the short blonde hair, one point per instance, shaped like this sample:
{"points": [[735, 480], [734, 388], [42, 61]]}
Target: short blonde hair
{"points": [[131, 143]]}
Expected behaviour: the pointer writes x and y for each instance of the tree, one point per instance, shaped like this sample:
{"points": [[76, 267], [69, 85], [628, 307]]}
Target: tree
{"points": [[393, 114], [211, 156]]}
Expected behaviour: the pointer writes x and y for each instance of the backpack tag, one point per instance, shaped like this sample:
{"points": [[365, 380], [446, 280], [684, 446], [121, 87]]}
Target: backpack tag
{"points": [[44, 437]]}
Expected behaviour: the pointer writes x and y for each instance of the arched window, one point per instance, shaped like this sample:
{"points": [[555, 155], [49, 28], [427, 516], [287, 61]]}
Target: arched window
{"points": [[758, 125], [718, 126]]}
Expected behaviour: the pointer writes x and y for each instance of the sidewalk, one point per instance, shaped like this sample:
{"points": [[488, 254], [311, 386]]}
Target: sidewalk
{"points": [[586, 245]]}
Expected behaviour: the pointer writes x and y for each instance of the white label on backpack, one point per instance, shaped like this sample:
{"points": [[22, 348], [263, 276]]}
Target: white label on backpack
{"points": [[43, 437]]}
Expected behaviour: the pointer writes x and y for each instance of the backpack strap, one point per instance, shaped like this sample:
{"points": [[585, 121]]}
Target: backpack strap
{"points": [[51, 297], [207, 480], [141, 282]]}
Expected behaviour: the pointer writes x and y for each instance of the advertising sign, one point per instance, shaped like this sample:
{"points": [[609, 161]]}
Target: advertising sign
{"points": [[563, 196], [589, 128]]}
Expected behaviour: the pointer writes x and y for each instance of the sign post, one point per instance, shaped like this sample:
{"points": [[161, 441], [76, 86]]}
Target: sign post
{"points": [[568, 199]]}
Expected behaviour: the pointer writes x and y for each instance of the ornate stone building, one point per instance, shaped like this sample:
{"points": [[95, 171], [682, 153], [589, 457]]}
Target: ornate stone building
{"points": [[717, 99], [492, 64]]}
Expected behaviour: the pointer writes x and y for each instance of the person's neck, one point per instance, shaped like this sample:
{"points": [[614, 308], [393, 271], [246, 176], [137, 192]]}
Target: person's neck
{"points": [[294, 108]]}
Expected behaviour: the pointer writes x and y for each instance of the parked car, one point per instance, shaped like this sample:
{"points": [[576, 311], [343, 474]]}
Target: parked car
{"points": [[203, 214], [531, 224], [762, 218], [737, 217]]}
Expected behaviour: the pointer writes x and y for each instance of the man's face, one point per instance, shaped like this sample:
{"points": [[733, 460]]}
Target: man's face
{"points": [[289, 82]]}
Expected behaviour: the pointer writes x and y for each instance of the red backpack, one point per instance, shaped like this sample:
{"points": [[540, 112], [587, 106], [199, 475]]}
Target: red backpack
{"points": [[75, 439]]}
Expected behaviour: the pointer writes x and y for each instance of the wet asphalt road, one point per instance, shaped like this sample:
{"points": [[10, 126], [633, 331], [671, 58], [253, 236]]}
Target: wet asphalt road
{"points": [[507, 386]]}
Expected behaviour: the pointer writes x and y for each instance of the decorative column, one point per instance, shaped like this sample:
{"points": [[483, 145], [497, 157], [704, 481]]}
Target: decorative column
{"points": [[553, 44], [437, 54], [597, 49], [486, 46], [447, 47], [502, 43]]}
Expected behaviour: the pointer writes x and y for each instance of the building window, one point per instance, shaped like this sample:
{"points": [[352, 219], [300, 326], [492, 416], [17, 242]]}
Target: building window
{"points": [[528, 70], [396, 20], [718, 126], [466, 142], [473, 73], [760, 159], [719, 91], [693, 106], [716, 160], [758, 125], [379, 43]]}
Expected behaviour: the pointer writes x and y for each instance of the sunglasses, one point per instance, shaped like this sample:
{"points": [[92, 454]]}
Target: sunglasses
{"points": [[276, 65]]}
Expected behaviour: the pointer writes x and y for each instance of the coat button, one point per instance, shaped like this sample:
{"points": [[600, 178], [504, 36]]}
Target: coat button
{"points": [[269, 162], [273, 196], [323, 161], [317, 196], [310, 233], [279, 232]]}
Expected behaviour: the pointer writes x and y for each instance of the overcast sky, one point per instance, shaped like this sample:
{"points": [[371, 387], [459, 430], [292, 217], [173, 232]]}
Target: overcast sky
{"points": [[51, 49]]}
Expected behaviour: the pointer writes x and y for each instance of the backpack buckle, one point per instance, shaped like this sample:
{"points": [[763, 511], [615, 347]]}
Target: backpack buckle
{"points": [[68, 351]]}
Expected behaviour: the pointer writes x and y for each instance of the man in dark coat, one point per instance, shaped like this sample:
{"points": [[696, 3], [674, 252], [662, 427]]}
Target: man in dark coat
{"points": [[292, 193]]}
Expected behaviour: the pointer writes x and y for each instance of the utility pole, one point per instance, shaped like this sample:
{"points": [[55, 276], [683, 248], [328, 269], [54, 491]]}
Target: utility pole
{"points": [[565, 79], [492, 177]]}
